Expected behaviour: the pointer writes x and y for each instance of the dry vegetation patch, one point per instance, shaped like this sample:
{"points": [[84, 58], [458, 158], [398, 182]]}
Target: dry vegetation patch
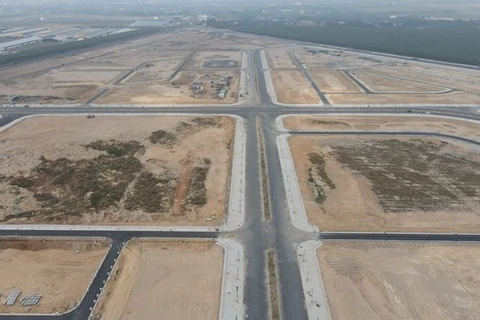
{"points": [[175, 174], [382, 184]]}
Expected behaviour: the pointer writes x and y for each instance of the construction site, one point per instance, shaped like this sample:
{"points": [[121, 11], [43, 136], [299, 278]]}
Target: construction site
{"points": [[47, 276], [155, 275], [135, 170], [154, 70], [350, 78]]}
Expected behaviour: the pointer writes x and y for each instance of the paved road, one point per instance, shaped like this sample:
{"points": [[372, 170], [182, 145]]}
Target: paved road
{"points": [[307, 75], [257, 235]]}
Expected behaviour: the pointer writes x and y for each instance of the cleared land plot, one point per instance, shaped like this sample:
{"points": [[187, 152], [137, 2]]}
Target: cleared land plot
{"points": [[459, 128], [291, 87], [334, 82], [454, 98], [401, 280], [333, 59], [154, 71], [279, 59], [461, 79], [380, 83], [181, 90], [167, 280], [141, 170], [58, 270], [202, 57], [388, 183]]}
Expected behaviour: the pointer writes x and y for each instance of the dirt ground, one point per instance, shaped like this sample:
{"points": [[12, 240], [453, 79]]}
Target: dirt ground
{"points": [[203, 56], [167, 280], [454, 98], [192, 147], [428, 281], [408, 81], [58, 270], [291, 87], [453, 127], [279, 59], [382, 83], [388, 183], [334, 82], [177, 91], [79, 77]]}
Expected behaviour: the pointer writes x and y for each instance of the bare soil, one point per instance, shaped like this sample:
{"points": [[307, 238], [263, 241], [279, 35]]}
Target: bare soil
{"points": [[334, 82], [452, 127], [177, 91], [409, 82], [201, 57], [279, 59], [381, 83], [79, 77], [181, 280], [454, 98], [291, 87], [389, 183], [428, 280], [58, 270], [117, 169]]}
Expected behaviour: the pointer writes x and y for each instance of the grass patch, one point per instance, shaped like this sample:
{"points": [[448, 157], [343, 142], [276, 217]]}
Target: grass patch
{"points": [[197, 192], [117, 148], [71, 188], [205, 121], [162, 137], [317, 172], [151, 194], [413, 175], [272, 281], [330, 122]]}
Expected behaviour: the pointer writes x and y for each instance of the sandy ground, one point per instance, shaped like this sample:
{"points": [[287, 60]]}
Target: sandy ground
{"points": [[388, 123], [177, 91], [56, 137], [77, 78], [279, 59], [153, 72], [380, 72], [380, 83], [203, 56], [164, 280], [59, 271], [449, 98], [354, 206], [292, 87], [334, 82], [428, 280]]}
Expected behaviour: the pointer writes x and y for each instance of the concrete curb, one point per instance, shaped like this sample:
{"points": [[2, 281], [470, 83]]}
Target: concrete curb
{"points": [[236, 203], [298, 215], [313, 287], [231, 301]]}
